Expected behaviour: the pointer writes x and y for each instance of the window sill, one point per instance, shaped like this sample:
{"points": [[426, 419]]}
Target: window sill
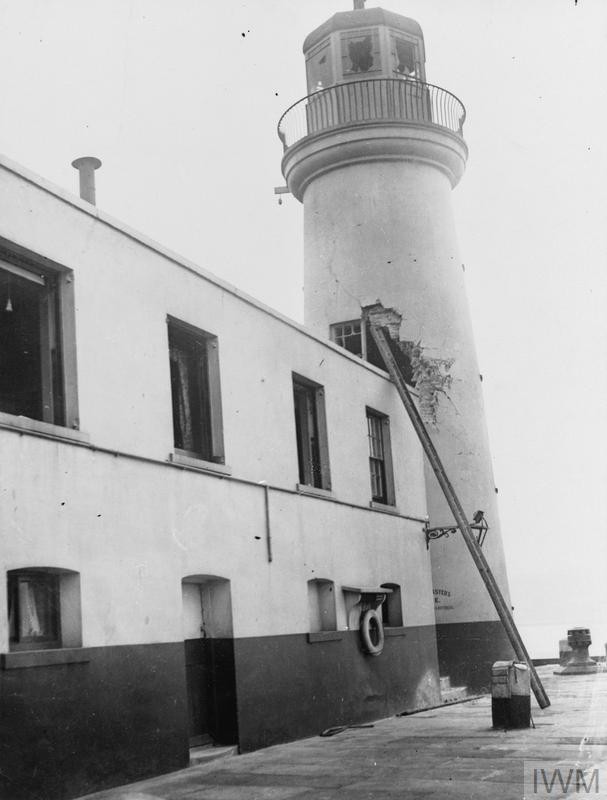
{"points": [[183, 460], [395, 631], [39, 428], [384, 508], [22, 659], [325, 636], [315, 491]]}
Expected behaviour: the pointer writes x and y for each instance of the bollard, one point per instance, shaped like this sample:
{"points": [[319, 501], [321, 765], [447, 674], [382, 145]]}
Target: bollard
{"points": [[579, 662], [510, 695]]}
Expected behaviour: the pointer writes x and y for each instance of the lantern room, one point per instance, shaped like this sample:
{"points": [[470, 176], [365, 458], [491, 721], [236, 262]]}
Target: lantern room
{"points": [[361, 45]]}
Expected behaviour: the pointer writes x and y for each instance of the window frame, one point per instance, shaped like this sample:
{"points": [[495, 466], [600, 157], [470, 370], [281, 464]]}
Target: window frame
{"points": [[385, 462], [50, 584], [370, 352], [59, 385], [316, 398], [211, 416], [349, 36], [324, 47], [65, 611], [394, 38], [392, 607], [322, 606], [338, 337]]}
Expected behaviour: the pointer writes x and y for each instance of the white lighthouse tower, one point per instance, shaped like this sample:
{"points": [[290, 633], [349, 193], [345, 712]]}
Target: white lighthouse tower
{"points": [[373, 153]]}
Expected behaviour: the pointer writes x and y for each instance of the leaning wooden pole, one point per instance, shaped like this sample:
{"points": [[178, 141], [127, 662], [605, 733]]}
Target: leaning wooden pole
{"points": [[382, 339]]}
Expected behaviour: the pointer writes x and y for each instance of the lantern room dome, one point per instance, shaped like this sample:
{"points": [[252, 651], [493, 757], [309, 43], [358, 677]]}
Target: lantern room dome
{"points": [[364, 44], [362, 18]]}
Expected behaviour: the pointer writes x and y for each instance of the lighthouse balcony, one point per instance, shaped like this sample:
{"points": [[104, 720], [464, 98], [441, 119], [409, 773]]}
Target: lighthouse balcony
{"points": [[379, 100]]}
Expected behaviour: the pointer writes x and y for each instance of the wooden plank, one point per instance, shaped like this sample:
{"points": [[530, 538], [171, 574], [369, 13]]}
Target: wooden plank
{"points": [[383, 341]]}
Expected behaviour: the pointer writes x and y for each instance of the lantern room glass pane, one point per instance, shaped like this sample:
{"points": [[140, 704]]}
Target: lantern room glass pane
{"points": [[319, 68], [360, 53], [404, 58]]}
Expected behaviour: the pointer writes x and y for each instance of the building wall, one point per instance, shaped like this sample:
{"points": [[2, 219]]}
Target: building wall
{"points": [[111, 506], [134, 530]]}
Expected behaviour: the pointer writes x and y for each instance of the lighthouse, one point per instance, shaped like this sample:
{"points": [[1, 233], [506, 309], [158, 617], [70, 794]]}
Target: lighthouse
{"points": [[374, 152]]}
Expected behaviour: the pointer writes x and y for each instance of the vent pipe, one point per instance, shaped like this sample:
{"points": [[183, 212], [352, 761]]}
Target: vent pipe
{"points": [[86, 166]]}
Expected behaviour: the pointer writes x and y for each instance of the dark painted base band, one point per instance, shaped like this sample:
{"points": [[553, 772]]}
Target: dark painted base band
{"points": [[511, 712], [119, 714], [289, 688], [67, 729], [467, 650]]}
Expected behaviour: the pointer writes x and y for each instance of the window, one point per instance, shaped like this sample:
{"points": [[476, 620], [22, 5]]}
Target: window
{"points": [[391, 608], [43, 609], [350, 336], [319, 68], [380, 458], [321, 605], [311, 432], [404, 58], [360, 52], [195, 392], [355, 337], [37, 354]]}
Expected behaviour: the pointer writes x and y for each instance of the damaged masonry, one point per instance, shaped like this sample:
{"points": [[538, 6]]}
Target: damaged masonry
{"points": [[430, 376]]}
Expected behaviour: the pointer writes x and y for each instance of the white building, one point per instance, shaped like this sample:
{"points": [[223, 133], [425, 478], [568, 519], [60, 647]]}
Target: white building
{"points": [[200, 499]]}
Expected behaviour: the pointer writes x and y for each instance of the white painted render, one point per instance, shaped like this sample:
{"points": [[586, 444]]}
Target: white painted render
{"points": [[382, 230], [133, 525]]}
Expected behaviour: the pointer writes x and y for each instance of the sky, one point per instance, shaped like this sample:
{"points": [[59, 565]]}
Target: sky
{"points": [[180, 101]]}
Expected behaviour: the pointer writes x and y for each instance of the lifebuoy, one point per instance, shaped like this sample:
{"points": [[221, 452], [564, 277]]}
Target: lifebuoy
{"points": [[372, 632]]}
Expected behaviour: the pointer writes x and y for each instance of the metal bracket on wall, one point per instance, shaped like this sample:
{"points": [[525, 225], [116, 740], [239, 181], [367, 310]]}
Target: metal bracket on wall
{"points": [[280, 190], [479, 524]]}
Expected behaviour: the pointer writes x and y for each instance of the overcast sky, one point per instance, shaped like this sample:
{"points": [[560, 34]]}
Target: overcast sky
{"points": [[180, 100]]}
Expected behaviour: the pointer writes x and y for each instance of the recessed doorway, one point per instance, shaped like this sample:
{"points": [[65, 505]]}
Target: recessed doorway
{"points": [[209, 660]]}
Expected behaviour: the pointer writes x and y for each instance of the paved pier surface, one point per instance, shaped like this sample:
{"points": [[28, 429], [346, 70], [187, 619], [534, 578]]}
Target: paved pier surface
{"points": [[450, 752]]}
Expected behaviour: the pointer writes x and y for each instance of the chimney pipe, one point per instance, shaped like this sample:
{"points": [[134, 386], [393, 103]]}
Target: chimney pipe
{"points": [[86, 166]]}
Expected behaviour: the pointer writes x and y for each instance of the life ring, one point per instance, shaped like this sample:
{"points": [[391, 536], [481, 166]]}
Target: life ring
{"points": [[372, 632]]}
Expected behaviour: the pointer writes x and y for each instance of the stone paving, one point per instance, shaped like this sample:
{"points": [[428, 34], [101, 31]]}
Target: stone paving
{"points": [[447, 753]]}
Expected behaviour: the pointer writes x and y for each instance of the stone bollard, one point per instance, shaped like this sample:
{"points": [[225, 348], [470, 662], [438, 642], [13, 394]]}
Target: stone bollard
{"points": [[579, 662]]}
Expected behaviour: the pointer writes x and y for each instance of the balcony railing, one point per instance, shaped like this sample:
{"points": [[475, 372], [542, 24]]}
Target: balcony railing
{"points": [[376, 100]]}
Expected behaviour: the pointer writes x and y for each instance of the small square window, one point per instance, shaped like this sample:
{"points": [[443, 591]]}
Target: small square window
{"points": [[380, 458], [321, 605], [350, 336], [355, 337], [43, 609], [311, 433], [195, 392], [392, 608], [37, 350], [33, 610]]}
